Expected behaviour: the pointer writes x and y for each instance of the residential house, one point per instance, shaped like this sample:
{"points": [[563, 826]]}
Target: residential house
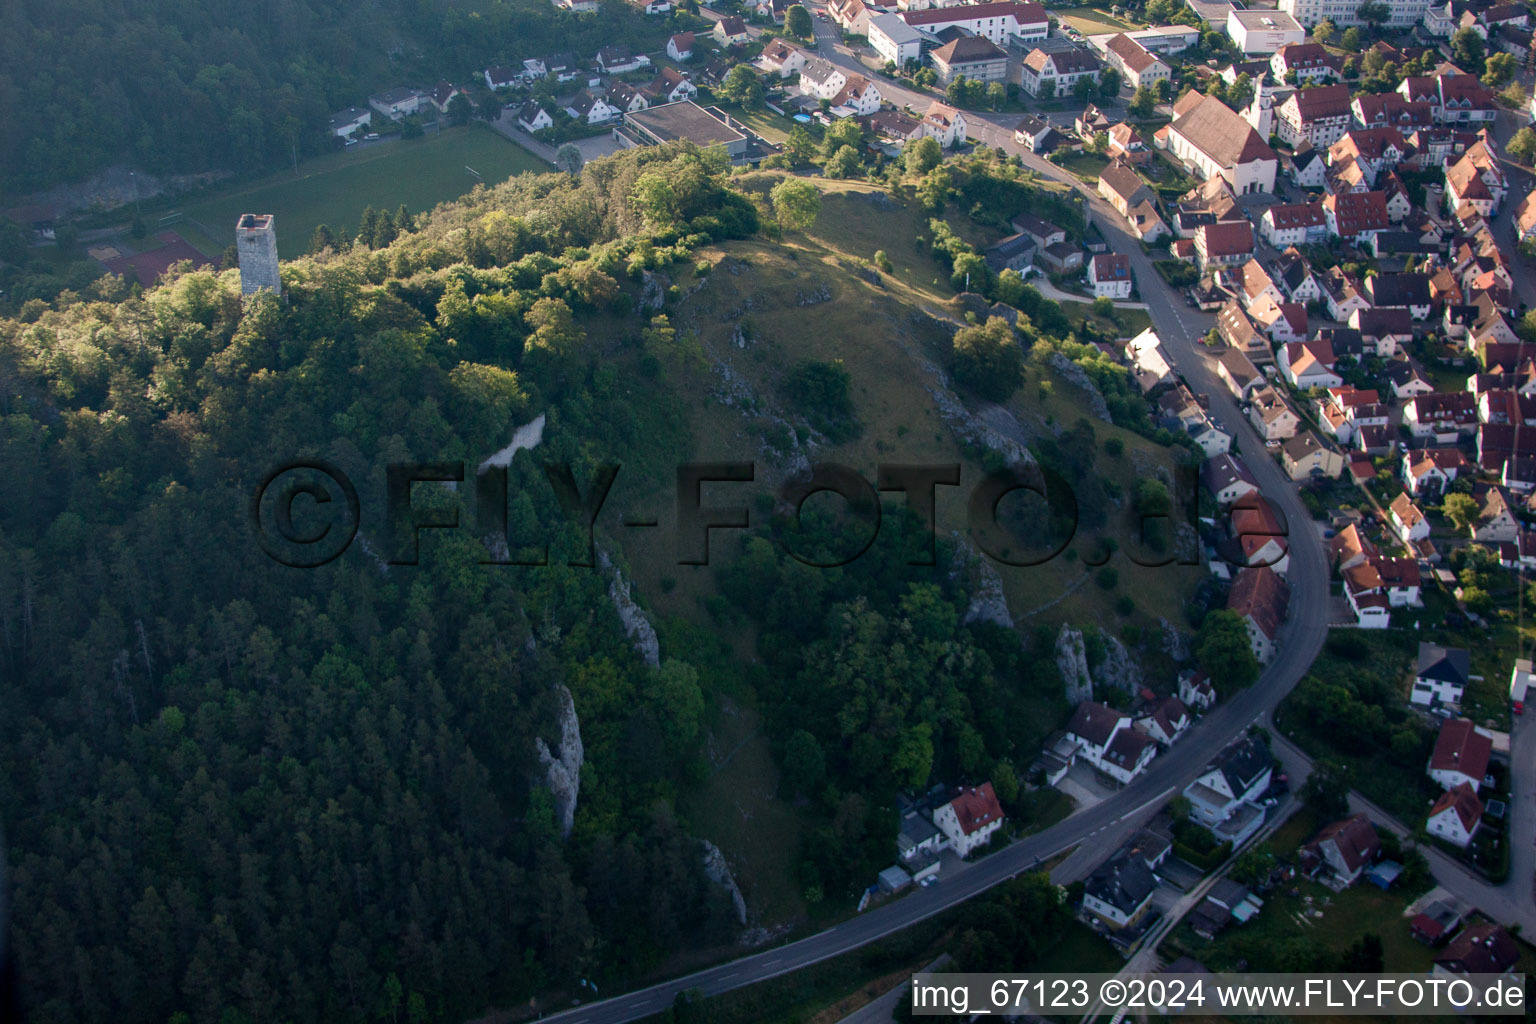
{"points": [[1229, 243], [588, 106], [1137, 65], [1309, 364], [1309, 62], [1319, 115], [1119, 892], [1495, 523], [669, 86], [783, 58], [1390, 110], [1400, 291], [1124, 143], [970, 818], [731, 30], [1293, 224], [1145, 354], [1480, 949], [1056, 74], [346, 123], [1341, 293], [852, 16], [1407, 380], [1441, 677], [680, 47], [1442, 416], [1294, 274], [1259, 536], [626, 98], [1110, 275], [1213, 139], [1237, 371], [1123, 187], [1227, 797], [1196, 691], [1464, 100], [618, 59], [1260, 597], [1354, 216], [1283, 322], [1164, 720], [532, 117], [859, 97], [1107, 740], [1428, 472], [1228, 478], [945, 123], [1461, 755], [1307, 456], [1382, 331], [1239, 332], [1272, 416], [396, 103], [972, 57], [1342, 850], [1407, 520], [1035, 134]]}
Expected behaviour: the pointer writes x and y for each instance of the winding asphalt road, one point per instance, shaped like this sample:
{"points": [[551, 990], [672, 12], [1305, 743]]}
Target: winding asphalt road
{"points": [[1097, 827]]}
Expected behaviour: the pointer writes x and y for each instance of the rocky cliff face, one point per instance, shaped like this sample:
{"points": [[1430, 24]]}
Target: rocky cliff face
{"points": [[636, 626], [716, 869], [988, 603], [563, 768], [1072, 664], [1118, 668]]}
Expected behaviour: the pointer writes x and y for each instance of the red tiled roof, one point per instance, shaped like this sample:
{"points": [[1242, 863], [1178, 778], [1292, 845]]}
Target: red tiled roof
{"points": [[976, 807], [1460, 747]]}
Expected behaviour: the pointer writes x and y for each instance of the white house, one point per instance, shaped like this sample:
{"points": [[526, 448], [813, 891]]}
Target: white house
{"points": [[1146, 357], [680, 46], [1120, 890], [1309, 364], [945, 123], [347, 122], [1442, 675], [969, 819], [1108, 741], [396, 103], [1520, 679], [1226, 798], [1293, 224], [1408, 520], [1196, 691], [1461, 755], [1455, 817], [1165, 720], [1110, 275], [1001, 23], [1272, 416], [532, 117], [588, 106]]}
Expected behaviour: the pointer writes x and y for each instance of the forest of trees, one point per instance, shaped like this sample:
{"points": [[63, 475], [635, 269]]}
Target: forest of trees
{"points": [[245, 792], [180, 88]]}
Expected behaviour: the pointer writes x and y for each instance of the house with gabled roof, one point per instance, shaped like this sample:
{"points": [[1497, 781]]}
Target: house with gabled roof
{"points": [[969, 818], [1461, 755], [1341, 851], [1309, 364], [1354, 216], [1441, 677], [1228, 479], [1136, 64], [1482, 948], [1260, 598], [1119, 892], [1272, 416], [1455, 816], [1226, 797], [1319, 115], [1290, 224]]}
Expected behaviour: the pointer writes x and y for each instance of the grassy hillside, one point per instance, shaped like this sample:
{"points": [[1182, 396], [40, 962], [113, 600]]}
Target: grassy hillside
{"points": [[759, 308]]}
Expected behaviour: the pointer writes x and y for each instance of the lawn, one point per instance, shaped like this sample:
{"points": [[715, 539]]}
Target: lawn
{"points": [[1291, 917], [1091, 20], [771, 126], [1083, 164], [335, 189]]}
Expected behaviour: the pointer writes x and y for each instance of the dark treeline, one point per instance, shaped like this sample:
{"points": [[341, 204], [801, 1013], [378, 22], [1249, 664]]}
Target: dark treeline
{"points": [[175, 87]]}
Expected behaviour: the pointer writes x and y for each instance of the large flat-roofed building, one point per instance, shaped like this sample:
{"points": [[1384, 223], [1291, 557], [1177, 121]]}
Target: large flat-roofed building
{"points": [[1263, 31], [686, 121], [1345, 13]]}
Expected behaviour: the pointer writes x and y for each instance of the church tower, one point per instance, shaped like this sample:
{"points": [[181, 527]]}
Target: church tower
{"points": [[1261, 111]]}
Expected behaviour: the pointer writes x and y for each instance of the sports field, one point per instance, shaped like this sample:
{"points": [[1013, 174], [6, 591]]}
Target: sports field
{"points": [[1091, 21], [334, 189]]}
